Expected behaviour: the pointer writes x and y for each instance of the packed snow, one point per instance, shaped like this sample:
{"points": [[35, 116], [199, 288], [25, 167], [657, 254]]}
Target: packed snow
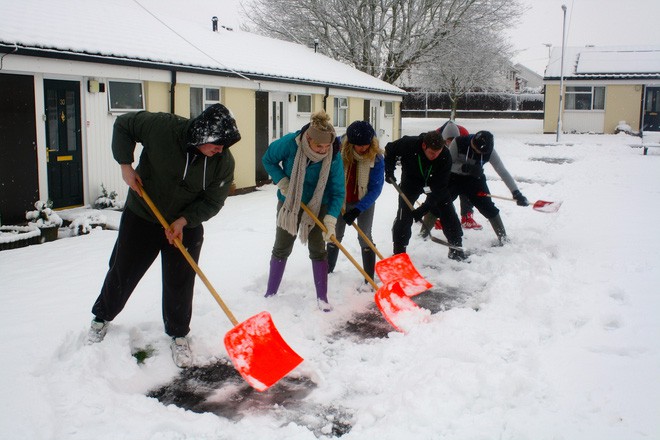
{"points": [[553, 336]]}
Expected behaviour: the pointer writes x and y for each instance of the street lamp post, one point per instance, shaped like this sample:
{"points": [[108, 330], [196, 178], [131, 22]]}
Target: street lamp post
{"points": [[561, 74]]}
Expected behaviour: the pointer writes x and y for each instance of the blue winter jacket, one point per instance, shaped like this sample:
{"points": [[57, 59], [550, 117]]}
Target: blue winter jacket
{"points": [[278, 161]]}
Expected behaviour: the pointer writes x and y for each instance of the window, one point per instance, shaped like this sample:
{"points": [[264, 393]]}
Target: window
{"points": [[202, 98], [585, 98], [304, 103], [341, 112], [389, 109], [125, 96]]}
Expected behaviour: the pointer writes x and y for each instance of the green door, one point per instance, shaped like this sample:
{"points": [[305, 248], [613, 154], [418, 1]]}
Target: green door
{"points": [[652, 109], [63, 142]]}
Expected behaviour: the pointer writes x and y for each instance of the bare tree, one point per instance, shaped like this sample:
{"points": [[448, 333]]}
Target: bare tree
{"points": [[475, 60], [380, 37]]}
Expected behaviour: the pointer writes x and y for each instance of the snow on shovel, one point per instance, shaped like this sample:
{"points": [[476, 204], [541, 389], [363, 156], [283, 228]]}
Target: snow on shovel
{"points": [[397, 307], [539, 205], [255, 347], [397, 268], [382, 293]]}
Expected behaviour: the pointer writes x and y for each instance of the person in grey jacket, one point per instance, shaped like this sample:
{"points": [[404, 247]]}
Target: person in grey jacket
{"points": [[469, 154], [187, 170]]}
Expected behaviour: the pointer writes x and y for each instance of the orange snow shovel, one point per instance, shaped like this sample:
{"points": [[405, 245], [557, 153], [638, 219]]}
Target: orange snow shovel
{"points": [[255, 347], [539, 205], [397, 307], [390, 307], [397, 268]]}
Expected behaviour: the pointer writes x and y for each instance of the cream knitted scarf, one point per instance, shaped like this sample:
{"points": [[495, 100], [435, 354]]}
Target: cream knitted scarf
{"points": [[287, 218], [363, 168]]}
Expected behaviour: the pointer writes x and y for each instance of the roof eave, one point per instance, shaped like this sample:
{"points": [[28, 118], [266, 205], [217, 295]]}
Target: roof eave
{"points": [[138, 62]]}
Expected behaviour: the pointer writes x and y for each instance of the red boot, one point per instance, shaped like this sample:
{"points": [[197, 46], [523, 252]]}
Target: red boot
{"points": [[468, 222]]}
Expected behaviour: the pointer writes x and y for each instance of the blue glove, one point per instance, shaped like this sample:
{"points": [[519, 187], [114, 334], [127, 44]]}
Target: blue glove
{"points": [[520, 199], [350, 216]]}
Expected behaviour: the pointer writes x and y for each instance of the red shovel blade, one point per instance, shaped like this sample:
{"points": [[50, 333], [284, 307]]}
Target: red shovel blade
{"points": [[399, 268], [544, 206], [397, 307], [259, 353]]}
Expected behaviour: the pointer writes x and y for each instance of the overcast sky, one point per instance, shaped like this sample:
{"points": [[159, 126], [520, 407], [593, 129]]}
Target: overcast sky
{"points": [[597, 22]]}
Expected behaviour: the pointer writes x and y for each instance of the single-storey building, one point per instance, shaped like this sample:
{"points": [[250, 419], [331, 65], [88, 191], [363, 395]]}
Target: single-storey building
{"points": [[603, 86], [67, 69]]}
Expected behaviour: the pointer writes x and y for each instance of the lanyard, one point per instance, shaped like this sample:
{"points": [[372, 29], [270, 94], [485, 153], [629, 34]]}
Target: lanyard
{"points": [[426, 178]]}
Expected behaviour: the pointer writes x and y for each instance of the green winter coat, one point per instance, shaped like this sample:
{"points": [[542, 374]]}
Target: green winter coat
{"points": [[181, 183]]}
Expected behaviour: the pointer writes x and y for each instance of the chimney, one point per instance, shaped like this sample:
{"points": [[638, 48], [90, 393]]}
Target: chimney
{"points": [[215, 23]]}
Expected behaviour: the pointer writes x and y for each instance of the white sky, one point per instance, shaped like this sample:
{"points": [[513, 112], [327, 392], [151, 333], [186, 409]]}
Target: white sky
{"points": [[597, 22]]}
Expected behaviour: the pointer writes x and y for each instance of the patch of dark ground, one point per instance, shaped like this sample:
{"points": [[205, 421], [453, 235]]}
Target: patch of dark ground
{"points": [[218, 388], [548, 144], [553, 160], [371, 324]]}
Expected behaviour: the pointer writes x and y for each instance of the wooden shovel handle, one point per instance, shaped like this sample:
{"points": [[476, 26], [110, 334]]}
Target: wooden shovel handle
{"points": [[365, 238], [484, 194], [189, 258], [338, 244]]}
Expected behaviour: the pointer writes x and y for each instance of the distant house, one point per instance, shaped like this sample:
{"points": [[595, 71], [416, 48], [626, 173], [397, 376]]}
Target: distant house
{"points": [[67, 69], [602, 87], [525, 78]]}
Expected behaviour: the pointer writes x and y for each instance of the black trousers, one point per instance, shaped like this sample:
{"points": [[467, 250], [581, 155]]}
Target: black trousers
{"points": [[138, 244], [444, 210], [470, 187]]}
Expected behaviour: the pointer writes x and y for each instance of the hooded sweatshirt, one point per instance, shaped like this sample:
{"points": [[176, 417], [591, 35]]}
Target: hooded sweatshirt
{"points": [[181, 181]]}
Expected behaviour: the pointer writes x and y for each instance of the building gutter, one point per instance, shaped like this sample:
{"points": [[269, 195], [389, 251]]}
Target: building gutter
{"points": [[129, 62]]}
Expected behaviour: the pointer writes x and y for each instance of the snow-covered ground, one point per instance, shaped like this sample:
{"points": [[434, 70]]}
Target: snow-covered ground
{"points": [[554, 336]]}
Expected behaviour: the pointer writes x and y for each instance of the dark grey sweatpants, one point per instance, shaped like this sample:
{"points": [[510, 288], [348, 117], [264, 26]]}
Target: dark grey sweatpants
{"points": [[138, 244]]}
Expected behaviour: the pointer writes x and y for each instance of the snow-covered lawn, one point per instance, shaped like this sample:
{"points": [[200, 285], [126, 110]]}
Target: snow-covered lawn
{"points": [[554, 336]]}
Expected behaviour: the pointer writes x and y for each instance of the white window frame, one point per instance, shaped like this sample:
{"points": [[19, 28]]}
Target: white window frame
{"points": [[206, 102], [124, 109], [389, 109], [572, 92], [340, 111], [299, 101]]}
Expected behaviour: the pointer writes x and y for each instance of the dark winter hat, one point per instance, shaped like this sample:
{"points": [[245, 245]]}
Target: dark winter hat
{"points": [[450, 131], [215, 125], [483, 141], [433, 140], [360, 133]]}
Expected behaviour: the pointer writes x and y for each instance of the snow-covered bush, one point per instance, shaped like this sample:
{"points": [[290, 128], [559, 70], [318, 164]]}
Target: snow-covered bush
{"points": [[43, 216], [105, 200]]}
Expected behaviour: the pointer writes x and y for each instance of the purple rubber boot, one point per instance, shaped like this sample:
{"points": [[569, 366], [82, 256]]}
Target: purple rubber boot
{"points": [[275, 276], [320, 270]]}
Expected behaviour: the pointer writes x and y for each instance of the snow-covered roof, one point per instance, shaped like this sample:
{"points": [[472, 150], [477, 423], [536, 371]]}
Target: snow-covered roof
{"points": [[616, 62], [160, 32]]}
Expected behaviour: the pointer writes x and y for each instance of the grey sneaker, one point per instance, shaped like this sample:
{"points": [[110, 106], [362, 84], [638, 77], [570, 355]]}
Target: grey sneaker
{"points": [[181, 352], [97, 331]]}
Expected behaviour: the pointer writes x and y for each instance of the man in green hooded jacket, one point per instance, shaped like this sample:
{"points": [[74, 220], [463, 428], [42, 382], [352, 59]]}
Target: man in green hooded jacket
{"points": [[187, 170]]}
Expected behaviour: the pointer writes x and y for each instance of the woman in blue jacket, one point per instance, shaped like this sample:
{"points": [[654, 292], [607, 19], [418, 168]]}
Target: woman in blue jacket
{"points": [[364, 174], [306, 168]]}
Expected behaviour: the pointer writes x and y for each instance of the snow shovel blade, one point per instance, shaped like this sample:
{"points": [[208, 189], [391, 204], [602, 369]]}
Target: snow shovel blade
{"points": [[544, 206], [399, 268], [397, 307], [259, 352]]}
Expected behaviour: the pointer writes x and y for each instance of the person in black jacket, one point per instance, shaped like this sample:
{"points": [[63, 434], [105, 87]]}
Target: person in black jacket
{"points": [[187, 170], [425, 169]]}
